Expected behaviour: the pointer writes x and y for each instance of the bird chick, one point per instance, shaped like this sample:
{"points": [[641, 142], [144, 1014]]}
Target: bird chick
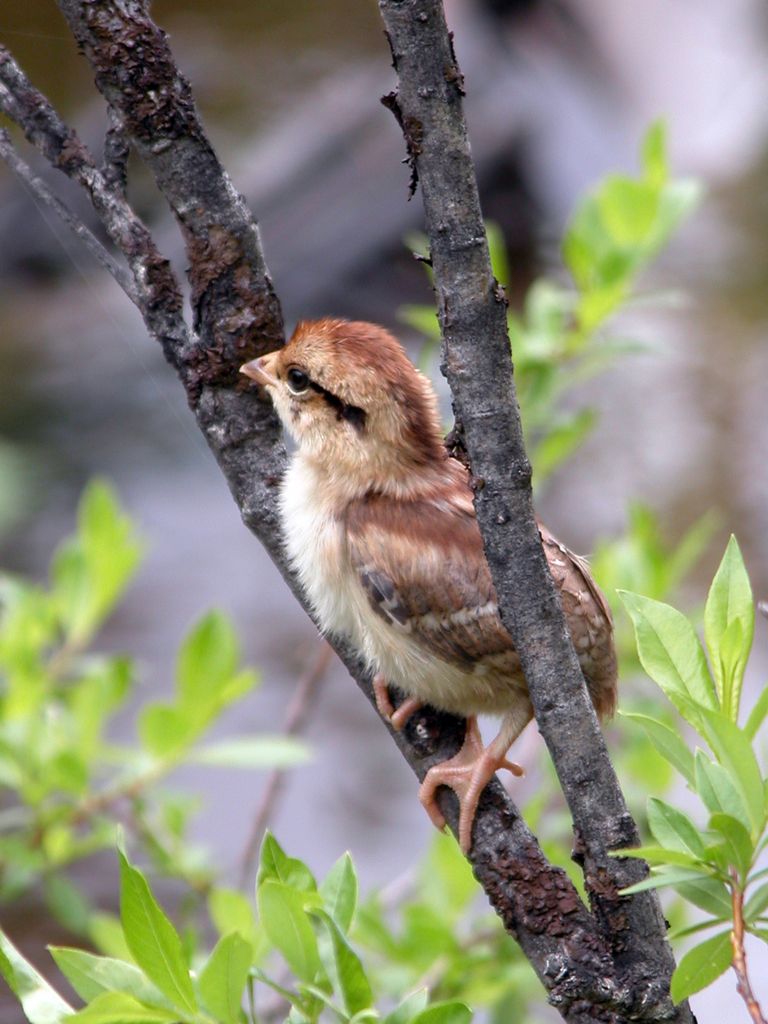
{"points": [[380, 528]]}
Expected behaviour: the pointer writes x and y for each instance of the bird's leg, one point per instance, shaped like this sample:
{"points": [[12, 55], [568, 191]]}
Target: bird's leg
{"points": [[470, 771], [396, 717]]}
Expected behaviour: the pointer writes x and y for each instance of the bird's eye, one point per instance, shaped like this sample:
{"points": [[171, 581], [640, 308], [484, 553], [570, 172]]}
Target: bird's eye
{"points": [[298, 381]]}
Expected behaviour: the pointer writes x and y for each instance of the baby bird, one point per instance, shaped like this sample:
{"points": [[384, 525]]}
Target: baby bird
{"points": [[380, 528]]}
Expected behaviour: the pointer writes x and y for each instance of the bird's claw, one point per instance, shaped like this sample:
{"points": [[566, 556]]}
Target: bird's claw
{"points": [[467, 774], [397, 717]]}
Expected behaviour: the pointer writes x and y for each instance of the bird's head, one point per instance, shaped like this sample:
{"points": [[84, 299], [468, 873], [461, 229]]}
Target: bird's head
{"points": [[353, 401]]}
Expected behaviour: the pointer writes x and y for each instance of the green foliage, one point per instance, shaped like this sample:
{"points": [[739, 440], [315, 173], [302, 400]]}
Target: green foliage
{"points": [[641, 560], [713, 867], [437, 937], [307, 930], [41, 1004], [558, 339], [63, 780], [701, 966]]}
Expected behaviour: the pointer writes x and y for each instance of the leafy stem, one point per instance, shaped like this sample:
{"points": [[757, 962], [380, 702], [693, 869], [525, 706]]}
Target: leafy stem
{"points": [[743, 986]]}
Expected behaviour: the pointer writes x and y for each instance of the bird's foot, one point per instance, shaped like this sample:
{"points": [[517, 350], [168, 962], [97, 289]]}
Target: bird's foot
{"points": [[397, 717], [467, 774]]}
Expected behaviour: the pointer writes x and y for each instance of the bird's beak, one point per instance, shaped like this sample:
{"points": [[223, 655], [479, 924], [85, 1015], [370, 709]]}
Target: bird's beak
{"points": [[259, 370]]}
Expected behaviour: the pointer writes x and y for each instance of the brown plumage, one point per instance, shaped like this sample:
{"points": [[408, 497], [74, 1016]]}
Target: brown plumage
{"points": [[380, 527]]}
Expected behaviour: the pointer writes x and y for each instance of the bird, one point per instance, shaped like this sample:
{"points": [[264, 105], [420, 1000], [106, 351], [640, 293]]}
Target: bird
{"points": [[380, 528]]}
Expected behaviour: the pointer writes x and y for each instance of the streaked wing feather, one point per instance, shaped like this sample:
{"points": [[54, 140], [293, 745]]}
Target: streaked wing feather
{"points": [[422, 569]]}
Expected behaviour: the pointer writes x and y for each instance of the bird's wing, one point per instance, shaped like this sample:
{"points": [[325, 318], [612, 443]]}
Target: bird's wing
{"points": [[422, 567], [589, 620]]}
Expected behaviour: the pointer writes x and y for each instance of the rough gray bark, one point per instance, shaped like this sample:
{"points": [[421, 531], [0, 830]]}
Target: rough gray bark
{"points": [[610, 964], [478, 366]]}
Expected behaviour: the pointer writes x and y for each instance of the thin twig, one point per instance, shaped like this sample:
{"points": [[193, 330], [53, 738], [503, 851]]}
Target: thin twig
{"points": [[295, 718], [40, 191], [156, 292], [129, 789], [743, 986]]}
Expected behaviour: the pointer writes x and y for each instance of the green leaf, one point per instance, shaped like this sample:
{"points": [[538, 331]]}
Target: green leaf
{"points": [[409, 1008], [729, 622], [757, 903], [678, 199], [275, 864], [741, 849], [339, 892], [421, 318], [107, 935], [733, 750], [67, 903], [659, 855], [91, 570], [207, 660], [446, 880], [561, 442], [709, 894], [701, 966], [347, 971], [452, 1012], [717, 791], [40, 1002], [671, 876], [671, 828], [164, 730], [669, 650], [282, 914], [695, 929], [119, 1008], [153, 941], [497, 248], [253, 752], [628, 209], [757, 715], [222, 980], [426, 935], [231, 912], [654, 154], [668, 743], [91, 975]]}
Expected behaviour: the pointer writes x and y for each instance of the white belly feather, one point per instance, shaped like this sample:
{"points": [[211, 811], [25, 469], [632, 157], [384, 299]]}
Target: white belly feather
{"points": [[314, 542]]}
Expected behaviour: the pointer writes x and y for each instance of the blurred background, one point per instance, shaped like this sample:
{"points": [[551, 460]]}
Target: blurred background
{"points": [[559, 92]]}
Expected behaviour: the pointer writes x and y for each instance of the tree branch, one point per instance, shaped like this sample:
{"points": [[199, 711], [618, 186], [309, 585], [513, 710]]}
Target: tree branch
{"points": [[155, 289], [43, 194], [478, 366], [236, 317]]}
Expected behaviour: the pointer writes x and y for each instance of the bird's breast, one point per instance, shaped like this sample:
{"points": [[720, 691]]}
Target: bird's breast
{"points": [[314, 542]]}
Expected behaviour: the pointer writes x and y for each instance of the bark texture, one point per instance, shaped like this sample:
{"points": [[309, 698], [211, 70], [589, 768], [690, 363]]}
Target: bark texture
{"points": [[610, 963], [478, 366]]}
